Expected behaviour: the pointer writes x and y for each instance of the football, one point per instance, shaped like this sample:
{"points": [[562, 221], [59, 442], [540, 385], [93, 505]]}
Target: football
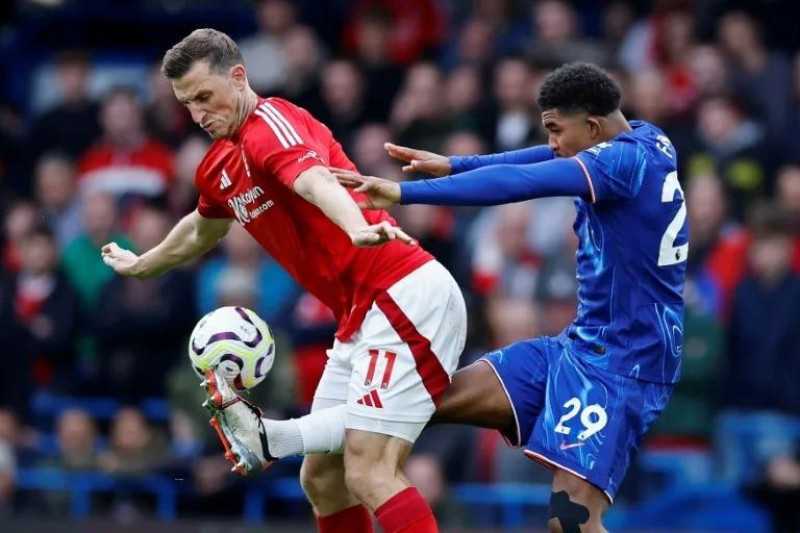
{"points": [[236, 339]]}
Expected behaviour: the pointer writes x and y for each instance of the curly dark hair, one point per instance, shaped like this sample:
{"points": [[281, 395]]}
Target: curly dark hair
{"points": [[580, 87]]}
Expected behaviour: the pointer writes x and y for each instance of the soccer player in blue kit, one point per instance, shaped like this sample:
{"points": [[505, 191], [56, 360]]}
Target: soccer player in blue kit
{"points": [[581, 402]]}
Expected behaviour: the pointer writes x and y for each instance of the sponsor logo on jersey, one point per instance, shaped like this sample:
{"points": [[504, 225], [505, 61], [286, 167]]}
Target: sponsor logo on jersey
{"points": [[565, 446], [240, 205], [311, 154]]}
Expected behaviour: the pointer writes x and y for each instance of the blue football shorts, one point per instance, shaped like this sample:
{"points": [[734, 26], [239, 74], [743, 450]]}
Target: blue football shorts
{"points": [[574, 415]]}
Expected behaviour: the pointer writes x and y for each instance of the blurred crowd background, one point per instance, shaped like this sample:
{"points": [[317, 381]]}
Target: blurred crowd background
{"points": [[94, 148]]}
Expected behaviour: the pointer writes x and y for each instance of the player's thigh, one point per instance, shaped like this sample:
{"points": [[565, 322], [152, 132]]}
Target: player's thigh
{"points": [[593, 420], [504, 390], [576, 506], [476, 397]]}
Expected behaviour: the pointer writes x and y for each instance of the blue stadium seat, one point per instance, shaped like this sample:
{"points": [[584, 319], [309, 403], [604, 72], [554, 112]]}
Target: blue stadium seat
{"points": [[82, 485], [709, 507]]}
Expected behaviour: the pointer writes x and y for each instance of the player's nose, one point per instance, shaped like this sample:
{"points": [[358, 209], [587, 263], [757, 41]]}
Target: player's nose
{"points": [[197, 114]]}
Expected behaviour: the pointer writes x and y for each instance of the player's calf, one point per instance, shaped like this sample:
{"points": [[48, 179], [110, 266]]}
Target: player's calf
{"points": [[575, 506]]}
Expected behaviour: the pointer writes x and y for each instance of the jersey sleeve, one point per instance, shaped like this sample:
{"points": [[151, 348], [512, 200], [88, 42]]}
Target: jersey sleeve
{"points": [[208, 209], [525, 156], [284, 145], [613, 170]]}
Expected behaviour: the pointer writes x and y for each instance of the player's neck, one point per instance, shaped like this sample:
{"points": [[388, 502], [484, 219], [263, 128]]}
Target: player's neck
{"points": [[616, 124], [246, 108]]}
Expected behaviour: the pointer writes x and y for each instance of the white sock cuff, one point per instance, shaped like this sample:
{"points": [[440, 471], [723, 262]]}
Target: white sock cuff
{"points": [[323, 431]]}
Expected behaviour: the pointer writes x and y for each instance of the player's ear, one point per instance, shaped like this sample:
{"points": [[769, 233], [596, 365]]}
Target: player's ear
{"points": [[595, 128], [239, 75]]}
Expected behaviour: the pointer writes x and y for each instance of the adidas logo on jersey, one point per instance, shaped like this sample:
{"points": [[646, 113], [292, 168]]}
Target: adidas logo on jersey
{"points": [[371, 399], [225, 181]]}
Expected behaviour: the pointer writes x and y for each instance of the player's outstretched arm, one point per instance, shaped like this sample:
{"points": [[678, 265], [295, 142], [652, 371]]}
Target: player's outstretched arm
{"points": [[193, 236], [498, 184], [319, 187], [439, 165]]}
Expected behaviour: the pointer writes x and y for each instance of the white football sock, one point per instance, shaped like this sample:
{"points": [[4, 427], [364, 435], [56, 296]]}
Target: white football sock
{"points": [[319, 432]]}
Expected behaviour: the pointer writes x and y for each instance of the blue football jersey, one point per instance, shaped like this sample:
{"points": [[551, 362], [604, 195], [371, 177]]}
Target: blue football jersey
{"points": [[631, 257]]}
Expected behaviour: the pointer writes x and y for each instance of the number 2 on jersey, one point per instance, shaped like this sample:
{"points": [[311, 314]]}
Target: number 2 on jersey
{"points": [[668, 253]]}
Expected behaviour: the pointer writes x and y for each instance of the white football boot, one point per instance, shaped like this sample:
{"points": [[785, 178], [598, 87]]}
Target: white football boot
{"points": [[238, 425]]}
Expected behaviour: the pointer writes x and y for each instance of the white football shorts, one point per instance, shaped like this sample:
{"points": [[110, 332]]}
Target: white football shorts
{"points": [[393, 371]]}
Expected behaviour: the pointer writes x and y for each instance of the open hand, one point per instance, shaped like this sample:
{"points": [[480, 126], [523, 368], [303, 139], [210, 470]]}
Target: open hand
{"points": [[420, 160], [378, 234], [381, 193]]}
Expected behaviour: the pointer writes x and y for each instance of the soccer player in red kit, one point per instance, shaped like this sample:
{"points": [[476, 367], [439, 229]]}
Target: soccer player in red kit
{"points": [[402, 319]]}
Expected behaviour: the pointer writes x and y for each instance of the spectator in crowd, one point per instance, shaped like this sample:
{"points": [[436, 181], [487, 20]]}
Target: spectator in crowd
{"points": [[709, 71], [762, 402], [183, 195], [788, 188], [512, 124], [272, 292], [14, 170], [72, 125], [734, 147], [134, 447], [20, 220], [464, 98], [504, 262], [382, 76], [8, 468], [719, 248], [263, 52], [77, 435], [780, 491], [165, 119], [368, 152], [343, 100], [81, 258], [558, 38], [57, 196], [761, 77], [791, 138], [416, 27], [304, 56], [418, 114], [45, 313], [142, 325], [125, 161]]}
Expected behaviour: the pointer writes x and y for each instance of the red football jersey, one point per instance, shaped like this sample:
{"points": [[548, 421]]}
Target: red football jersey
{"points": [[250, 177]]}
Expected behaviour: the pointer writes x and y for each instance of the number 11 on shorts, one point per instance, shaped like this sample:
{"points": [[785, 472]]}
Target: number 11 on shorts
{"points": [[387, 371]]}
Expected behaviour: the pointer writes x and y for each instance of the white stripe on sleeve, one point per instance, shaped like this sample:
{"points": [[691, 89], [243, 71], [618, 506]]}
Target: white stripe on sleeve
{"points": [[274, 127], [279, 116]]}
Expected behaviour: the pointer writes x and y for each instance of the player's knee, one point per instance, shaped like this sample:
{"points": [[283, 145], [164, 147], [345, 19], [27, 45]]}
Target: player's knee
{"points": [[363, 479], [319, 481]]}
